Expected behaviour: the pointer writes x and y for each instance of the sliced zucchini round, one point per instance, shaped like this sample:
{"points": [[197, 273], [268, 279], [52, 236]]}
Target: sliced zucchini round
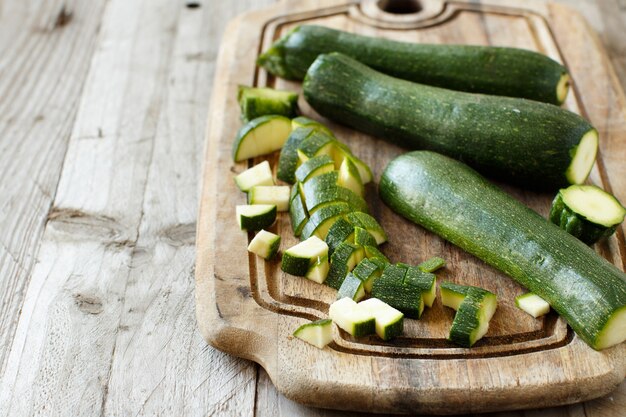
{"points": [[587, 212], [261, 136]]}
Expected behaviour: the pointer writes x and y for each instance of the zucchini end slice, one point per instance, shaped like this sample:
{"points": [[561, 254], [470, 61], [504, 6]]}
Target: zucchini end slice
{"points": [[614, 331], [584, 156], [562, 88]]}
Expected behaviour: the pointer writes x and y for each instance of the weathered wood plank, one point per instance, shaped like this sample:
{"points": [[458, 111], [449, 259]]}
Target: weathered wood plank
{"points": [[108, 324], [45, 50]]}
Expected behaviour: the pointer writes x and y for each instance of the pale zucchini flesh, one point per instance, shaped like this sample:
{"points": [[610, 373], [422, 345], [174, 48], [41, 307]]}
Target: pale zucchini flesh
{"points": [[352, 318], [317, 333], [299, 259], [261, 136], [319, 270], [265, 244], [277, 195], [260, 174], [389, 321], [532, 304]]}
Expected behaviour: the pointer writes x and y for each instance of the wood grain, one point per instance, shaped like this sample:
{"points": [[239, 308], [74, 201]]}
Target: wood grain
{"points": [[250, 310], [68, 299], [107, 325]]}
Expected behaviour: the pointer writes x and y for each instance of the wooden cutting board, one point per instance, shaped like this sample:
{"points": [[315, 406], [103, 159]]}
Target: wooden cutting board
{"points": [[249, 308]]}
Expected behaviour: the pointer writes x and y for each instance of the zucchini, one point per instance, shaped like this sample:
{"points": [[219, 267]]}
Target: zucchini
{"points": [[526, 142], [261, 136], [324, 189], [389, 321], [393, 290], [321, 220], [368, 271], [297, 212], [363, 238], [316, 144], [374, 254], [255, 102], [367, 222], [471, 320], [260, 174], [352, 318], [350, 178], [288, 160], [532, 304], [351, 287], [277, 195], [452, 294], [342, 261], [255, 217], [455, 202], [302, 121], [425, 281], [315, 166], [319, 270], [341, 231], [482, 69], [318, 333], [299, 259], [432, 264], [587, 212], [265, 244]]}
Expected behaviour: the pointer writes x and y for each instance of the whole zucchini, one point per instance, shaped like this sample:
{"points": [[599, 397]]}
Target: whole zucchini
{"points": [[455, 202], [526, 142], [479, 69]]}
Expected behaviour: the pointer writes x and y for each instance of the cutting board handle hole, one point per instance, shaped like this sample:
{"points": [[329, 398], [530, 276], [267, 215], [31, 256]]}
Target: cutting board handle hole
{"points": [[400, 6]]}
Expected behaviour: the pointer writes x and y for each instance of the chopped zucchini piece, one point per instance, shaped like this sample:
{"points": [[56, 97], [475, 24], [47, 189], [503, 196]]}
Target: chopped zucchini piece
{"points": [[322, 219], [352, 318], [317, 333], [370, 224], [316, 144], [352, 287], [265, 244], [587, 212], [532, 304], [368, 271], [319, 271], [432, 264], [261, 136], [373, 253], [389, 321], [255, 217], [342, 261], [426, 281], [260, 174], [583, 158], [324, 189], [297, 212], [302, 121], [299, 259], [393, 290], [471, 320], [288, 160], [259, 101], [350, 178], [363, 238], [452, 294], [270, 194], [339, 232], [314, 166]]}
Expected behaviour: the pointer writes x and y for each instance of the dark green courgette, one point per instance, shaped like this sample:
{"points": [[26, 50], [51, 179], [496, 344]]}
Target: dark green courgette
{"points": [[526, 142], [481, 69], [455, 202]]}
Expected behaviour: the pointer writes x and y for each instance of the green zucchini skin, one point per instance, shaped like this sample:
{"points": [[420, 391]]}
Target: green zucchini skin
{"points": [[455, 202], [577, 225], [482, 69], [495, 135]]}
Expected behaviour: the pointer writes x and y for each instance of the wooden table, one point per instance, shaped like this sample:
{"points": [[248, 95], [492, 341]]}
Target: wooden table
{"points": [[103, 109]]}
